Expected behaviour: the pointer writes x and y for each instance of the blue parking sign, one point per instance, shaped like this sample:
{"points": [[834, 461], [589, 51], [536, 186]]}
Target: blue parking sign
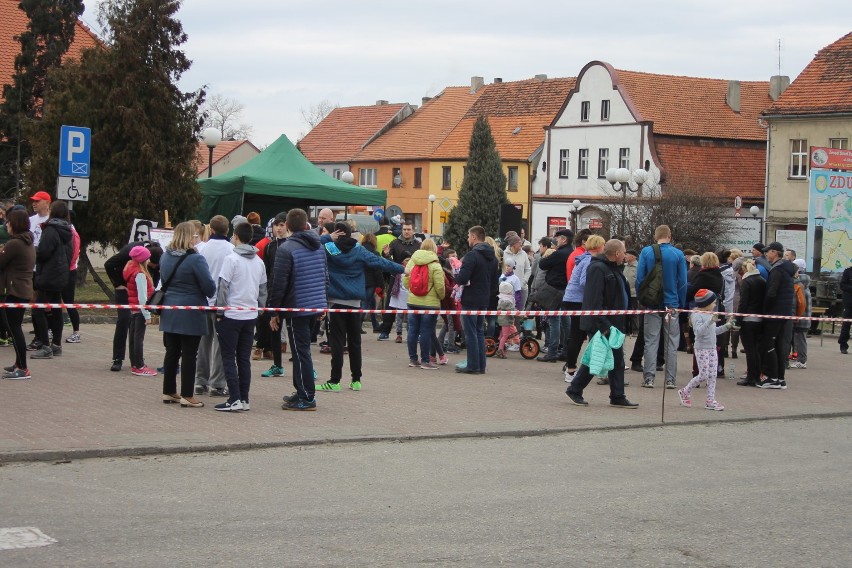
{"points": [[75, 146]]}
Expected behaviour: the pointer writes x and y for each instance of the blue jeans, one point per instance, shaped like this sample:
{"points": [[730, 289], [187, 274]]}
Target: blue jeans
{"points": [[421, 328], [369, 303], [235, 339], [553, 335], [474, 337], [299, 333]]}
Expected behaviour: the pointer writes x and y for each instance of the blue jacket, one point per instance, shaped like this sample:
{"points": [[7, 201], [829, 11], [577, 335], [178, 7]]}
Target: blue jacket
{"points": [[300, 275], [674, 274], [191, 286], [348, 263], [479, 276], [574, 290]]}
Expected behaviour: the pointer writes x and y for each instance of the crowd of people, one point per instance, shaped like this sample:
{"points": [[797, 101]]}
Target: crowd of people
{"points": [[297, 271]]}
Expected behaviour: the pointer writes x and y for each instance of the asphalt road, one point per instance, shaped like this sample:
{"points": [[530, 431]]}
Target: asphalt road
{"points": [[773, 493]]}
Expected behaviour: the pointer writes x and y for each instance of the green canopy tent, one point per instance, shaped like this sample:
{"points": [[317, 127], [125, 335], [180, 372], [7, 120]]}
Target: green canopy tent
{"points": [[278, 179]]}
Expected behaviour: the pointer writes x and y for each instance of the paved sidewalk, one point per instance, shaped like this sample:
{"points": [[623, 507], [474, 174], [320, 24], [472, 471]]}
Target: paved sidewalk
{"points": [[74, 407]]}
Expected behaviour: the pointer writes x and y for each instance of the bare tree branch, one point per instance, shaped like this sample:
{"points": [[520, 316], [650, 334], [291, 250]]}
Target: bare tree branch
{"points": [[224, 114], [314, 114]]}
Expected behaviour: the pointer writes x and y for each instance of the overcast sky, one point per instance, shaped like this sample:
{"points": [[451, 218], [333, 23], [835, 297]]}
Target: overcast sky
{"points": [[279, 56]]}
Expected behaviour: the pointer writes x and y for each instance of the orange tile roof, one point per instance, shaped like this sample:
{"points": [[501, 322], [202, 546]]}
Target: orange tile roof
{"points": [[696, 107], [222, 149], [13, 22], [420, 134], [729, 168], [824, 86], [517, 112], [341, 134]]}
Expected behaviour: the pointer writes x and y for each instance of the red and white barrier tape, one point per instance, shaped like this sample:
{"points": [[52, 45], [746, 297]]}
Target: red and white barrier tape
{"points": [[521, 313]]}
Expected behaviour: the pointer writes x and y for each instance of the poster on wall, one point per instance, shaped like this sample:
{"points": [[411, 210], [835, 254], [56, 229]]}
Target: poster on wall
{"points": [[555, 224], [795, 240], [831, 207]]}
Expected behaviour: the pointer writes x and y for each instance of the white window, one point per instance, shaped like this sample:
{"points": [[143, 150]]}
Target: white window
{"points": [[603, 162], [838, 143], [336, 173], [799, 158], [583, 164], [367, 177], [624, 158], [605, 110], [563, 163], [584, 111]]}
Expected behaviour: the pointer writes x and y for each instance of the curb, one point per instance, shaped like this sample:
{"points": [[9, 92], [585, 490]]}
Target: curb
{"points": [[66, 456]]}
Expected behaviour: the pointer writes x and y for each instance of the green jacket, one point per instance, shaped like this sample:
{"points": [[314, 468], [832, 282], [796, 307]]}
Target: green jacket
{"points": [[598, 354]]}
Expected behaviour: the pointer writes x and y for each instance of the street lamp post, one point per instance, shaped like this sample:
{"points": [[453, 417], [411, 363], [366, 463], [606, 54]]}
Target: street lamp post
{"points": [[755, 212], [575, 212], [432, 199], [819, 223], [211, 138], [619, 180]]}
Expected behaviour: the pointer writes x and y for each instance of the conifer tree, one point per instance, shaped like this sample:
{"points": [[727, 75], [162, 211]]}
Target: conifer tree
{"points": [[49, 33], [483, 189], [144, 129]]}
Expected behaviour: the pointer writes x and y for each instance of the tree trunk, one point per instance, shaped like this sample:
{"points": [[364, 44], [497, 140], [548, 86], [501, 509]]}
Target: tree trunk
{"points": [[87, 264]]}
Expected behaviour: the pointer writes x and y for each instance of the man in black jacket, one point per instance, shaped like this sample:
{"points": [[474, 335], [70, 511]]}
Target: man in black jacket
{"points": [[478, 274], [778, 301], [114, 267], [606, 289], [550, 296], [846, 288]]}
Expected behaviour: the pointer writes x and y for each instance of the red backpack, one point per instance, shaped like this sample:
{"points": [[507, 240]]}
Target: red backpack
{"points": [[418, 280]]}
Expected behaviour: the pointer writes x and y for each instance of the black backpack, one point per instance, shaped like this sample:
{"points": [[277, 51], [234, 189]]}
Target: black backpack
{"points": [[650, 292]]}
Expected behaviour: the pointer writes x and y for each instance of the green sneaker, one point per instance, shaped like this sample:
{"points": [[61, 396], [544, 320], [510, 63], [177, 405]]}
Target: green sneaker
{"points": [[273, 371], [355, 385], [329, 387]]}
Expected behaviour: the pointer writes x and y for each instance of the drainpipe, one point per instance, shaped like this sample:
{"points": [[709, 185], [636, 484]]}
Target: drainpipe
{"points": [[765, 125]]}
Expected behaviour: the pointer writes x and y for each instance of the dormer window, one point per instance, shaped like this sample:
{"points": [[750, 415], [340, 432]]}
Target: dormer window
{"points": [[584, 111]]}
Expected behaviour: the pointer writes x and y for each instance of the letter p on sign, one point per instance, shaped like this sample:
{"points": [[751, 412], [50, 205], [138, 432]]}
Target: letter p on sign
{"points": [[75, 146]]}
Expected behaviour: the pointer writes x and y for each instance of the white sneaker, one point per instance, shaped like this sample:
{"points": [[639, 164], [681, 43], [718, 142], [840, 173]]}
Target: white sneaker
{"points": [[569, 376], [513, 347], [73, 338], [229, 406], [245, 405]]}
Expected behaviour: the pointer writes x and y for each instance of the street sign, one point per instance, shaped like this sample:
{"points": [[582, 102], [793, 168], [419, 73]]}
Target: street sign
{"points": [[378, 214], [72, 188], [75, 146]]}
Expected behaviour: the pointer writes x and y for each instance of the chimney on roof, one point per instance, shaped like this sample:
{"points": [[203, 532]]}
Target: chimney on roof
{"points": [[777, 85], [733, 97], [425, 100], [541, 76], [381, 102], [476, 83], [498, 79]]}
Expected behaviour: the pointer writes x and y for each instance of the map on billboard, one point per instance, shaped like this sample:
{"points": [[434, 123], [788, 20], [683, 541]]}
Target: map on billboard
{"points": [[831, 204]]}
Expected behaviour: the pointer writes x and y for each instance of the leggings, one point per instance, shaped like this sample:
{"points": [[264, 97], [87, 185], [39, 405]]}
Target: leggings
{"points": [[12, 319], [707, 359], [68, 298], [505, 332]]}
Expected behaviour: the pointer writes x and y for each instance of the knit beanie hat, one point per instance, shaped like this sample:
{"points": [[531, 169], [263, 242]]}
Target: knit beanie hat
{"points": [[140, 254], [704, 297], [237, 220], [507, 288]]}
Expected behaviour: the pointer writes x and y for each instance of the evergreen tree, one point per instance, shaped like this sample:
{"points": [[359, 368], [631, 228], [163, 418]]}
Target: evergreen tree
{"points": [[49, 33], [483, 189], [144, 129]]}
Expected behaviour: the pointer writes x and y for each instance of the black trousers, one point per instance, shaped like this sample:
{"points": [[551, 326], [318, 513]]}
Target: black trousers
{"points": [[137, 340], [750, 333], [122, 327], [12, 319], [576, 336], [68, 297], [343, 329], [843, 340], [180, 350], [616, 378], [772, 352], [40, 320]]}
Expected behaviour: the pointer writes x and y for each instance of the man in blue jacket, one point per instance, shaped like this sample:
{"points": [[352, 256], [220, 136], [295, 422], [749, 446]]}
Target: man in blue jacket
{"points": [[674, 296], [348, 262], [477, 274], [300, 277]]}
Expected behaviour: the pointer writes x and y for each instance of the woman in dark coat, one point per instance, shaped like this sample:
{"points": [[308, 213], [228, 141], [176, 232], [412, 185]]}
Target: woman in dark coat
{"points": [[752, 293], [17, 260], [709, 278], [53, 267], [189, 284]]}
